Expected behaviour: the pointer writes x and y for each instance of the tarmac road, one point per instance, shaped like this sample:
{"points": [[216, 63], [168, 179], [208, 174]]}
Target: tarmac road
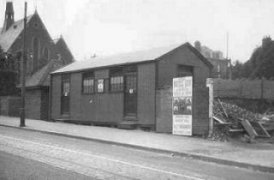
{"points": [[34, 155], [16, 167]]}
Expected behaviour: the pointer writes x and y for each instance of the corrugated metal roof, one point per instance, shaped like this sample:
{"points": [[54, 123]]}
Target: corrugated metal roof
{"points": [[120, 59], [7, 38]]}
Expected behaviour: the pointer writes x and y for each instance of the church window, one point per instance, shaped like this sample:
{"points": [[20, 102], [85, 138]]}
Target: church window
{"points": [[35, 47], [46, 53]]}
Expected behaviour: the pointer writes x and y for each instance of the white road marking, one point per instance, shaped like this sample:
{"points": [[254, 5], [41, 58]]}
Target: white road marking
{"points": [[103, 158]]}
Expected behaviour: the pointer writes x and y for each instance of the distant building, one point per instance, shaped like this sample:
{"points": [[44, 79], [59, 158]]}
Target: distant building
{"points": [[221, 66], [43, 56]]}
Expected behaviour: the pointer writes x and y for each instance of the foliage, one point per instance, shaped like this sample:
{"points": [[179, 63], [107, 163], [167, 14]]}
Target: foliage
{"points": [[260, 64], [7, 77], [1, 53], [237, 70]]}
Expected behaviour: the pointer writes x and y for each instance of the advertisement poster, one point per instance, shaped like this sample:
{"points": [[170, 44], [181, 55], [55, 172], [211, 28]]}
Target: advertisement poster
{"points": [[182, 87], [182, 106], [182, 125]]}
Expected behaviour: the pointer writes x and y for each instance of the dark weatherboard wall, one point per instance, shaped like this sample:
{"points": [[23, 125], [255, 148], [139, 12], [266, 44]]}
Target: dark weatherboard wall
{"points": [[153, 92], [106, 107]]}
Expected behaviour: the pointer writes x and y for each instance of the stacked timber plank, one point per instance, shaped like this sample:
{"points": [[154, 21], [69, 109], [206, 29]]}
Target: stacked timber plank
{"points": [[230, 119]]}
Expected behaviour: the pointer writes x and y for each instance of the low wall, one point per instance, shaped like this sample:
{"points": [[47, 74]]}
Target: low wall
{"points": [[244, 88], [9, 105]]}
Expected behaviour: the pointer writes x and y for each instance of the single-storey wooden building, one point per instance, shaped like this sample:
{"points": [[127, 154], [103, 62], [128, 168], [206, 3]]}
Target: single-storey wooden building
{"points": [[131, 89]]}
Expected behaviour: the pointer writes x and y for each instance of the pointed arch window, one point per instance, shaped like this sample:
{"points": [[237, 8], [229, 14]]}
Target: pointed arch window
{"points": [[35, 46], [46, 53]]}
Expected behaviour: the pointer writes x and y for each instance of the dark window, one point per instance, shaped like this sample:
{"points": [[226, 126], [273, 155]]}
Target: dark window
{"points": [[88, 83], [116, 80], [131, 83], [183, 71], [116, 83]]}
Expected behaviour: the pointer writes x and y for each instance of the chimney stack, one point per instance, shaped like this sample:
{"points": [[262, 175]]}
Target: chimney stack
{"points": [[197, 45]]}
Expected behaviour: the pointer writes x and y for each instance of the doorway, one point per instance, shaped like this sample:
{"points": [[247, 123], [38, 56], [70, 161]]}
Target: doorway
{"points": [[65, 95], [130, 95]]}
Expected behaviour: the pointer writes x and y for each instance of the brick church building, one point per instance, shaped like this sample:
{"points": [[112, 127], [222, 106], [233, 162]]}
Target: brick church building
{"points": [[44, 55]]}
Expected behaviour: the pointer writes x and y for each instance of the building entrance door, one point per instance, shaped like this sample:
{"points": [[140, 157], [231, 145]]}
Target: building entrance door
{"points": [[65, 96], [130, 95]]}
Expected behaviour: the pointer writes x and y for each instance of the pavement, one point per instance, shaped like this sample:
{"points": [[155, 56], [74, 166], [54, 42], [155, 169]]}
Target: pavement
{"points": [[259, 156]]}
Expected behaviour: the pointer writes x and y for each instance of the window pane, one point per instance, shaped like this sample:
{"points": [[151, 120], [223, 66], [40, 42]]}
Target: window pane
{"points": [[88, 83], [116, 83]]}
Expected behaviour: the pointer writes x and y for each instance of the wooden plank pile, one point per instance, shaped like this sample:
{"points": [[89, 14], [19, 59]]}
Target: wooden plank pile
{"points": [[230, 119]]}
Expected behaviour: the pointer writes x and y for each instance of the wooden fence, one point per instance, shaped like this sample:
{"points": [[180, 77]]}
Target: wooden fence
{"points": [[244, 88]]}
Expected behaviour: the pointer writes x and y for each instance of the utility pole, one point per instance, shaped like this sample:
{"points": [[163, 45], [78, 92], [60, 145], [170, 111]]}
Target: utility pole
{"points": [[23, 73], [227, 41]]}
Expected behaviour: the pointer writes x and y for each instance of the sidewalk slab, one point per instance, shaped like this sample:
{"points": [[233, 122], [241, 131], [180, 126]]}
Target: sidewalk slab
{"points": [[255, 156]]}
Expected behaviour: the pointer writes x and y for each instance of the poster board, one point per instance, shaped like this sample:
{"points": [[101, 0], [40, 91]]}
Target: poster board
{"points": [[182, 106]]}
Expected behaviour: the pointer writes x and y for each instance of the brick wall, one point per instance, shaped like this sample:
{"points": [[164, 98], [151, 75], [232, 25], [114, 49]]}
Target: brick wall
{"points": [[44, 109], [9, 105], [4, 106], [45, 41], [36, 29], [8, 83], [36, 104], [33, 104]]}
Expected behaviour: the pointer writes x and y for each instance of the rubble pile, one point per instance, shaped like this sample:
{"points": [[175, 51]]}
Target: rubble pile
{"points": [[220, 133], [230, 119], [231, 113]]}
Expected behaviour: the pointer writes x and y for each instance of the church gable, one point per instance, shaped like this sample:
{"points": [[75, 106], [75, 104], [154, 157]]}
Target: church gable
{"points": [[9, 36], [40, 48], [64, 53], [39, 45]]}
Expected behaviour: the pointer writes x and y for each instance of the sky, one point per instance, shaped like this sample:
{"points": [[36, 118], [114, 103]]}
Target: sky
{"points": [[106, 27]]}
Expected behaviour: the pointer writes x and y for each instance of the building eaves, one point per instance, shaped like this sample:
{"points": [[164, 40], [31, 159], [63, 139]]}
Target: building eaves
{"points": [[129, 58]]}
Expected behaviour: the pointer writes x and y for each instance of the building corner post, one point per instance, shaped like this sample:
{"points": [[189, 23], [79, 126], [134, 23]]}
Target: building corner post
{"points": [[209, 84]]}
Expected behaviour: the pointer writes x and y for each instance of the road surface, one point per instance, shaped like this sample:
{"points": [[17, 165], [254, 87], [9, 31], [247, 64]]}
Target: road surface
{"points": [[34, 155]]}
